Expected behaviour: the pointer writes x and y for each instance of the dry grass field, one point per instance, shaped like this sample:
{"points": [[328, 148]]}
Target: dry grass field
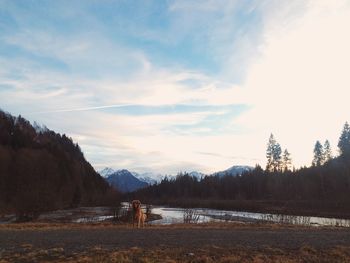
{"points": [[214, 242], [164, 254]]}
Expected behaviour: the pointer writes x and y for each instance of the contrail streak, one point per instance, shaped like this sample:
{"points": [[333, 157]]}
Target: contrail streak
{"points": [[84, 109]]}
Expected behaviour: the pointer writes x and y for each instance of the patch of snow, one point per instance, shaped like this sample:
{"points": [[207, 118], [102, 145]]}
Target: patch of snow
{"points": [[106, 172]]}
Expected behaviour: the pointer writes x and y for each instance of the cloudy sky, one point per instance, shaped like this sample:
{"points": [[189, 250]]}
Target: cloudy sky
{"points": [[168, 86]]}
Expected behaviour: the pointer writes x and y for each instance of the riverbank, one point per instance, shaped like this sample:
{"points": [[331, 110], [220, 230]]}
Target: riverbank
{"points": [[215, 242], [295, 208], [162, 215], [81, 215]]}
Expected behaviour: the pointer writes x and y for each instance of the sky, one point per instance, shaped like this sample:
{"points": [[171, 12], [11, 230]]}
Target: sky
{"points": [[168, 86]]}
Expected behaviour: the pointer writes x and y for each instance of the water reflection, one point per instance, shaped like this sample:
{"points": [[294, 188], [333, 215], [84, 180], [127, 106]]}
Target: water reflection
{"points": [[178, 215], [93, 219]]}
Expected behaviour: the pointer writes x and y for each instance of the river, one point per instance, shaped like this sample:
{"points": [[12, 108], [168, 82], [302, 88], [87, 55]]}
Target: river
{"points": [[171, 215], [203, 215]]}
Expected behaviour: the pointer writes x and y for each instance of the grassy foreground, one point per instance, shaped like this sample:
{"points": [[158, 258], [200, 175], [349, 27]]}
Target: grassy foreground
{"points": [[27, 252], [163, 254]]}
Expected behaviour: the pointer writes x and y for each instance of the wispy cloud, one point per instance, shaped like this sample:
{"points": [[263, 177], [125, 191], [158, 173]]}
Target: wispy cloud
{"points": [[82, 109]]}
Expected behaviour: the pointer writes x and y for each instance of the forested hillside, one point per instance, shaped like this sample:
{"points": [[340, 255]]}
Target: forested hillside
{"points": [[41, 170]]}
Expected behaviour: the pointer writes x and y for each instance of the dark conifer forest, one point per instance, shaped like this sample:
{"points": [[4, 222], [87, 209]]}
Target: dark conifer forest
{"points": [[41, 170]]}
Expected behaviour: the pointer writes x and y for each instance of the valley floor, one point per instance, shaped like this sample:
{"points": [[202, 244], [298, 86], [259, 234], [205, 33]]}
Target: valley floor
{"points": [[180, 243]]}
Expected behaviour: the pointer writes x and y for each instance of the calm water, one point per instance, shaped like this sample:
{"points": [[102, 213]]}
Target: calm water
{"points": [[177, 215]]}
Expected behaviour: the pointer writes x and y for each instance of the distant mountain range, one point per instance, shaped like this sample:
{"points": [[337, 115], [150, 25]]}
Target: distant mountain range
{"points": [[127, 181], [123, 180], [234, 170], [149, 178]]}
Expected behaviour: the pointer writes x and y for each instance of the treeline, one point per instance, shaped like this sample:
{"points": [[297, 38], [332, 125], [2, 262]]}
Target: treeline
{"points": [[330, 182], [41, 170], [324, 187]]}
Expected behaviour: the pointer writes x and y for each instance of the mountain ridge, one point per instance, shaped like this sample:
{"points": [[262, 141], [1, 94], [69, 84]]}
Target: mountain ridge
{"points": [[234, 170], [128, 181], [125, 181]]}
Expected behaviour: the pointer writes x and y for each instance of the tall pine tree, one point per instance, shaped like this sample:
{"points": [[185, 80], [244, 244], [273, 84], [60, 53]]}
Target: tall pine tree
{"points": [[277, 157], [287, 161], [327, 151], [318, 154], [269, 153], [273, 155], [344, 141]]}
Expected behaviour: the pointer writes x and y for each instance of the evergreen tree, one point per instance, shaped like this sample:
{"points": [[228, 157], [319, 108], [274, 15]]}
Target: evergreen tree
{"points": [[327, 151], [318, 154], [273, 155], [269, 153], [287, 161], [277, 157], [344, 141]]}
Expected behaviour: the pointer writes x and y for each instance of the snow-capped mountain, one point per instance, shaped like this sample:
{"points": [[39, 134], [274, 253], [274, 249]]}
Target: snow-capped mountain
{"points": [[197, 175], [156, 176], [125, 181], [106, 172], [234, 170], [148, 178]]}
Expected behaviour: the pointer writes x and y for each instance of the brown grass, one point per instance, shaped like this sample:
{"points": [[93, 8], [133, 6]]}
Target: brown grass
{"points": [[29, 253], [215, 225], [162, 254]]}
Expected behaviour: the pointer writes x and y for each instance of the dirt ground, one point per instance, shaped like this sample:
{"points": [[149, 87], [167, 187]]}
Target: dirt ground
{"points": [[183, 243]]}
